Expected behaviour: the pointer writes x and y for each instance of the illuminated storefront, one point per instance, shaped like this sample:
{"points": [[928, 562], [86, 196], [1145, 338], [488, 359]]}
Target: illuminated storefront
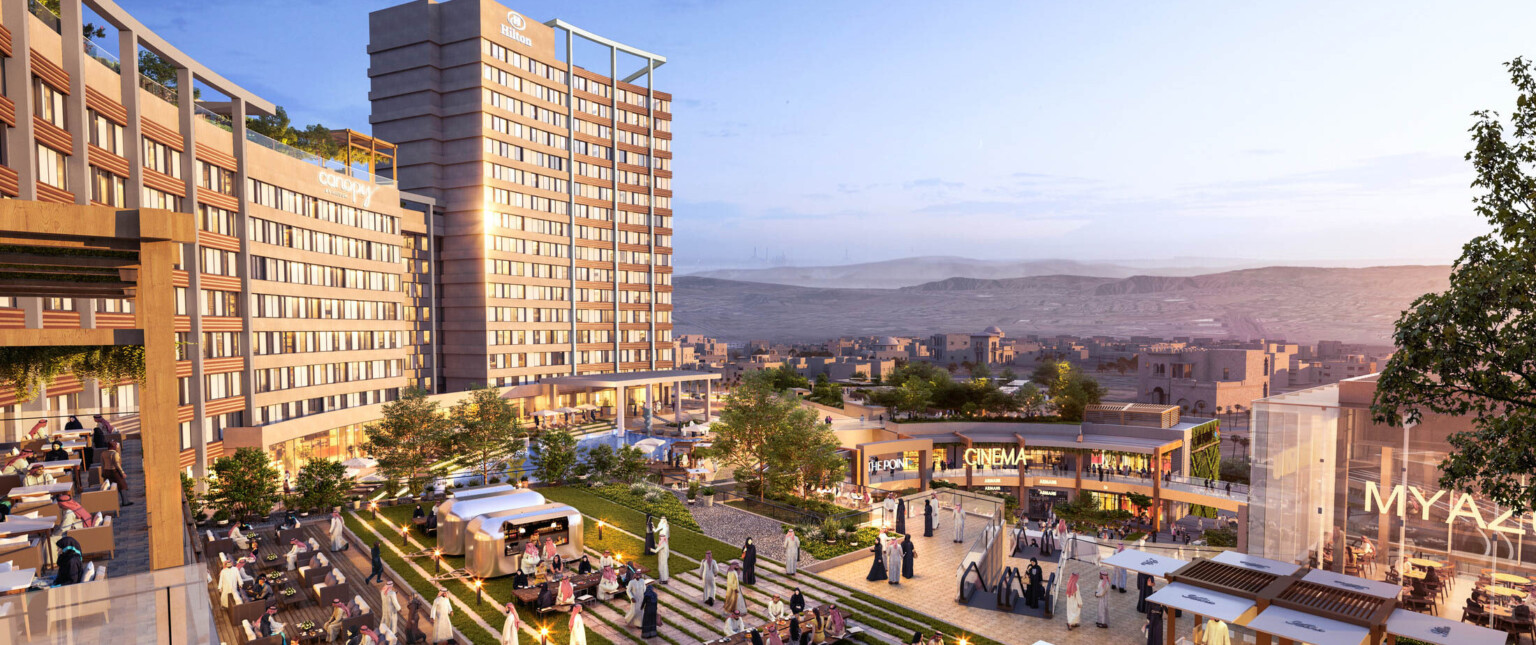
{"points": [[1326, 478]]}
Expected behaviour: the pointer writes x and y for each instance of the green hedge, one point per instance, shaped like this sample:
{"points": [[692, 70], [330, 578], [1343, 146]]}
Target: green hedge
{"points": [[862, 539], [666, 505]]}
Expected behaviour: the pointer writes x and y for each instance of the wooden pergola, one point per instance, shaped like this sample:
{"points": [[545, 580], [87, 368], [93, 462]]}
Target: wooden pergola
{"points": [[72, 251], [362, 146]]}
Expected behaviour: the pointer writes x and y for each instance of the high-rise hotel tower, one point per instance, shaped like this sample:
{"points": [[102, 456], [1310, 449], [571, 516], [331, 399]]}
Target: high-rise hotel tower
{"points": [[554, 182]]}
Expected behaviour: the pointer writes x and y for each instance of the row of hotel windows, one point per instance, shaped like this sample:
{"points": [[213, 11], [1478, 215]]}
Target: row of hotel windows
{"points": [[517, 106], [527, 314], [519, 153], [535, 135], [527, 292], [328, 211], [319, 275], [215, 387], [530, 202], [528, 247], [523, 177], [294, 237], [295, 409], [527, 359], [522, 62], [272, 379], [273, 306], [604, 111], [547, 227], [545, 337], [213, 428], [517, 84], [103, 305], [528, 269]]}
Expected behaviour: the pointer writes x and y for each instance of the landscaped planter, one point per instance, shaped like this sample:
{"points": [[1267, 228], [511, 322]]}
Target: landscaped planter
{"points": [[709, 500]]}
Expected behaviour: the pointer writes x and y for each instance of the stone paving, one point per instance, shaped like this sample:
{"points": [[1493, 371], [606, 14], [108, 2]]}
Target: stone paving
{"points": [[935, 587], [732, 525]]}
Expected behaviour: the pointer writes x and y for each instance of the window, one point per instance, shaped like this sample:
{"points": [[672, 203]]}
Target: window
{"points": [[51, 166], [49, 102], [161, 158], [220, 262], [105, 134], [108, 188], [216, 220], [156, 199], [214, 178]]}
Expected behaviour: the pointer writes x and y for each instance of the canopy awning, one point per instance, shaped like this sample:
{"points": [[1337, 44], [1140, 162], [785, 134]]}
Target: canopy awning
{"points": [[1204, 602], [1440, 631], [1352, 583], [1306, 628], [649, 446], [586, 406], [567, 410], [360, 462], [1144, 562], [546, 413], [1256, 563]]}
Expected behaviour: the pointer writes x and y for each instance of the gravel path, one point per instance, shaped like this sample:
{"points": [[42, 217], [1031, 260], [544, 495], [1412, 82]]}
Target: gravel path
{"points": [[733, 526]]}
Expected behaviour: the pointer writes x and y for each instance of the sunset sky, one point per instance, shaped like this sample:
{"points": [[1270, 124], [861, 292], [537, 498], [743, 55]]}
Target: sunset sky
{"points": [[827, 133]]}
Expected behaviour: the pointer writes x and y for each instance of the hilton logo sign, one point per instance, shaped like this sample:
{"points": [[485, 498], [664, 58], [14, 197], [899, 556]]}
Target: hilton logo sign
{"points": [[514, 28], [1464, 506]]}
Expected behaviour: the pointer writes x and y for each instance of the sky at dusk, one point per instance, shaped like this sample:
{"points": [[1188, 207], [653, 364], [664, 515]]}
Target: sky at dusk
{"points": [[828, 133]]}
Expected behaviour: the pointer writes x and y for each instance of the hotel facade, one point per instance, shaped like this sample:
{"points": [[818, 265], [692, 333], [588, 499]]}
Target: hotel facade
{"points": [[554, 182], [526, 240]]}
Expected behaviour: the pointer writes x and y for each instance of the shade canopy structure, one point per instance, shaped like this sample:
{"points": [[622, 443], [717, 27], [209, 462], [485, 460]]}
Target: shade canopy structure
{"points": [[1144, 562], [1307, 628], [567, 410], [586, 406], [1440, 631], [360, 462], [546, 413], [1256, 563], [1203, 602], [1352, 583], [649, 446]]}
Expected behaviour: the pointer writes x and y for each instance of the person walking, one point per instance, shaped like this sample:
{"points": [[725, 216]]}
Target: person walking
{"points": [[375, 563], [112, 470], [791, 551]]}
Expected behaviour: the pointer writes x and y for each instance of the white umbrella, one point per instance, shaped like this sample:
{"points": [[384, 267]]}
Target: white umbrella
{"points": [[546, 413], [360, 462], [568, 410], [586, 406]]}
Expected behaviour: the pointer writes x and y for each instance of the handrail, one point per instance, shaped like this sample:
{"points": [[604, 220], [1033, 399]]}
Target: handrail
{"points": [[981, 581], [1005, 594]]}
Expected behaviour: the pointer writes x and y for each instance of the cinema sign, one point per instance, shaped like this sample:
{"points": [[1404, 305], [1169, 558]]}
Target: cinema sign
{"points": [[993, 457], [1464, 506]]}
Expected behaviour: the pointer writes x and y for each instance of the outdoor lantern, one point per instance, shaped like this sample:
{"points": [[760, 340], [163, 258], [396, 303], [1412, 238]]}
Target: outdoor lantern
{"points": [[599, 529], [479, 590]]}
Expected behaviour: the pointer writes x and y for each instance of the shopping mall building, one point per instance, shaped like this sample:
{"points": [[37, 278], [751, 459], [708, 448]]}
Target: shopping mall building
{"points": [[517, 235], [1325, 476], [1118, 450]]}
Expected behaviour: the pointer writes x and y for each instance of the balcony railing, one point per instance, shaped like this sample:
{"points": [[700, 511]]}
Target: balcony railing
{"points": [[219, 120], [103, 56], [154, 87], [46, 15], [312, 158]]}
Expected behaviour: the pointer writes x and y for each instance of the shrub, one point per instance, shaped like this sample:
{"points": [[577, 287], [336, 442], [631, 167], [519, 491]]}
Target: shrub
{"points": [[693, 489], [707, 491], [637, 489], [1221, 537], [830, 528]]}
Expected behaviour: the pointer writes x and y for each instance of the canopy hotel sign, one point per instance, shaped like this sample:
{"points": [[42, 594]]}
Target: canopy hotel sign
{"points": [[1462, 505], [338, 185]]}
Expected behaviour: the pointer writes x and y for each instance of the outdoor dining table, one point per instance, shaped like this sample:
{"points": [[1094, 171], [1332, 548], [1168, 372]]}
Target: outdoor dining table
{"points": [[26, 525], [16, 580], [59, 465], [1421, 562], [44, 489]]}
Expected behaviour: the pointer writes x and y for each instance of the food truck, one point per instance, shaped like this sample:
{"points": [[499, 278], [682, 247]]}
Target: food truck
{"points": [[494, 542], [457, 511]]}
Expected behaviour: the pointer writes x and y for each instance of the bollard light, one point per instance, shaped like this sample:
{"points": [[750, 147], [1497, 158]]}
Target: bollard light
{"points": [[599, 530], [479, 591], [437, 561], [543, 636], [374, 508]]}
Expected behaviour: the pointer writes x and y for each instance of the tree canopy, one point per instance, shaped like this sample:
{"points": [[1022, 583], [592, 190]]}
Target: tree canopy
{"points": [[486, 431], [772, 438], [1070, 390], [243, 483], [322, 484], [554, 457], [410, 436], [1471, 351]]}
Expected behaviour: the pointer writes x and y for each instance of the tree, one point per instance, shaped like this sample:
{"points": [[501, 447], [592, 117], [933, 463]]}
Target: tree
{"points": [[411, 434], [913, 396], [1083, 512], [1030, 399], [322, 484], [806, 456], [91, 30], [1468, 352], [277, 126], [1008, 375], [1069, 388], [1140, 501], [486, 431], [981, 370], [755, 416], [598, 463], [244, 483], [785, 377], [629, 465], [554, 456]]}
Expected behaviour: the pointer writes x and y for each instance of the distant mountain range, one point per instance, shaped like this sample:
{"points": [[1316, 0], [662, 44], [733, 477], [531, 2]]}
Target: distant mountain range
{"points": [[906, 272], [1299, 304]]}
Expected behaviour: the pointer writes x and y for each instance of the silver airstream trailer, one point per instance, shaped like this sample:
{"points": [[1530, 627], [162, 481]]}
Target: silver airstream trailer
{"points": [[494, 542], [454, 514]]}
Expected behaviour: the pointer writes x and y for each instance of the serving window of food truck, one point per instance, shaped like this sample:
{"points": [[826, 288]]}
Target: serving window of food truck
{"points": [[516, 536]]}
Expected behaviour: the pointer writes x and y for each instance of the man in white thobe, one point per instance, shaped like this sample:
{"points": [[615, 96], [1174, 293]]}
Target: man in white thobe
{"points": [[338, 541], [442, 609], [229, 586]]}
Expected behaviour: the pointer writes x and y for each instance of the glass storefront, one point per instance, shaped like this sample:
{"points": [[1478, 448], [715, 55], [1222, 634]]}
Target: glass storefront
{"points": [[337, 443]]}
